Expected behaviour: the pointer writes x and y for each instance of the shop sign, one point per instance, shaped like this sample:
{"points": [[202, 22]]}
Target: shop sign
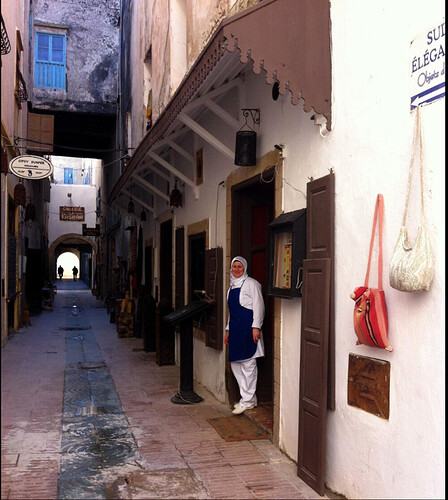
{"points": [[71, 213], [428, 66], [90, 231], [31, 167]]}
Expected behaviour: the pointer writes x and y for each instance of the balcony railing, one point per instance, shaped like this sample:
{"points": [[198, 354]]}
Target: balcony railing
{"points": [[21, 93], [6, 46]]}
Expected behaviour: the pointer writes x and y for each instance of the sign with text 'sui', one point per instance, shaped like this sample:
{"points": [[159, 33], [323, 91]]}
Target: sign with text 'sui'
{"points": [[428, 66], [30, 167]]}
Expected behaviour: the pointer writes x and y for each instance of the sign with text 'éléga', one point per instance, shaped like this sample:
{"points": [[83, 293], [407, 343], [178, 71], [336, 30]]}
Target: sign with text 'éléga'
{"points": [[428, 66]]}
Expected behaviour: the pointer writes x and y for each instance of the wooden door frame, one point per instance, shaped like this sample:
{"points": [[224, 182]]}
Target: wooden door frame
{"points": [[238, 176]]}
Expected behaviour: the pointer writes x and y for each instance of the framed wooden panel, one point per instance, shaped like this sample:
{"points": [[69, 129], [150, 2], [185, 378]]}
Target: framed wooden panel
{"points": [[369, 384], [313, 373]]}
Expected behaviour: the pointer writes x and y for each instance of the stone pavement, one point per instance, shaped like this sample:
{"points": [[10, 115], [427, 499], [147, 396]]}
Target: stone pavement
{"points": [[86, 414]]}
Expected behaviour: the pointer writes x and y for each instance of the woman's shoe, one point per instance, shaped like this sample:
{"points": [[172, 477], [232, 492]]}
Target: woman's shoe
{"points": [[241, 409]]}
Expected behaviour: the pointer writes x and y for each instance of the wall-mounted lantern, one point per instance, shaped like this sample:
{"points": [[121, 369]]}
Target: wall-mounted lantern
{"points": [[246, 140]]}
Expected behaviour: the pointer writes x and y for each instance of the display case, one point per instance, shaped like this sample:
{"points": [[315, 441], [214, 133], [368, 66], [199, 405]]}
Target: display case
{"points": [[287, 250]]}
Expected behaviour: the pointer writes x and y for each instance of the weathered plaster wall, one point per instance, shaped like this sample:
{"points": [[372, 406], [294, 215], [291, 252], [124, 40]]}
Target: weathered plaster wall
{"points": [[15, 16], [92, 53], [204, 17], [160, 56]]}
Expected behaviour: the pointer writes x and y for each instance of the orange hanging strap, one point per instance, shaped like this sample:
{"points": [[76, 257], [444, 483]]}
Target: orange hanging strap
{"points": [[379, 214]]}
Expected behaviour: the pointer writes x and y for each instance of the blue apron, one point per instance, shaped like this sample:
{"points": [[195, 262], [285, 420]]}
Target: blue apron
{"points": [[241, 341]]}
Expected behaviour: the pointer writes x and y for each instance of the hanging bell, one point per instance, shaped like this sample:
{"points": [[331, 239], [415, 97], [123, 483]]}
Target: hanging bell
{"points": [[143, 216], [246, 148]]}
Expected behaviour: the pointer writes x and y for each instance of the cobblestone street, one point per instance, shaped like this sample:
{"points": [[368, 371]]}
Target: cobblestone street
{"points": [[88, 415]]}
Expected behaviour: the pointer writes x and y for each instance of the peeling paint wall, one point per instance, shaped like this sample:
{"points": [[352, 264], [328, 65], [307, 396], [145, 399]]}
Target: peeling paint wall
{"points": [[92, 40]]}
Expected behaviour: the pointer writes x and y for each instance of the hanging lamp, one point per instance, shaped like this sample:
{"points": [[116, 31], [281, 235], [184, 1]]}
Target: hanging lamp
{"points": [[175, 195], [246, 140], [20, 194]]}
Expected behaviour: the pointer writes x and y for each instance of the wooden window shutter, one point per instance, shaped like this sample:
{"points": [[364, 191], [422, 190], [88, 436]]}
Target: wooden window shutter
{"points": [[313, 373], [214, 327], [40, 132], [5, 162], [319, 245]]}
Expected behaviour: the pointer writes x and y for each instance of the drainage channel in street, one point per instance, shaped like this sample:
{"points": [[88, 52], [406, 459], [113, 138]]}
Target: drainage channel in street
{"points": [[96, 438]]}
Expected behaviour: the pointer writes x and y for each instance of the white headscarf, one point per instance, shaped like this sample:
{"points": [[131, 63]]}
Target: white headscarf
{"points": [[237, 282]]}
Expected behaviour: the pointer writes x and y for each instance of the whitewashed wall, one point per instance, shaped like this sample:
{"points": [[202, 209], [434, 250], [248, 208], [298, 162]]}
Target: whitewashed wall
{"points": [[82, 196], [369, 150]]}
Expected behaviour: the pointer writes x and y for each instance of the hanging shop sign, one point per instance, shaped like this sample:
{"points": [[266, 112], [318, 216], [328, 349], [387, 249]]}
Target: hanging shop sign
{"points": [[30, 167], [428, 66], [71, 213], [90, 231]]}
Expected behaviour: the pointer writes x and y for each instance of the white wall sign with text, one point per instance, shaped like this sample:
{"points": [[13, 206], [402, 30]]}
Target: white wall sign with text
{"points": [[428, 66]]}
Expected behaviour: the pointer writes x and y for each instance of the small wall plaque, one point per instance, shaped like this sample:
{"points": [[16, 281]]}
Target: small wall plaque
{"points": [[369, 384]]}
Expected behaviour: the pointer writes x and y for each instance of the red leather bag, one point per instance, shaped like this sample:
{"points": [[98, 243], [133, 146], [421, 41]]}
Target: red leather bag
{"points": [[370, 312]]}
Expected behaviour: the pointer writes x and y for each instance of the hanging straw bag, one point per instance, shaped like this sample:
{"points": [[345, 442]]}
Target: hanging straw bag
{"points": [[411, 268], [370, 311]]}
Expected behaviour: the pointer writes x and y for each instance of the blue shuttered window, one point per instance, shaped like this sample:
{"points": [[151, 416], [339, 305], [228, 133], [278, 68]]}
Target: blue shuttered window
{"points": [[68, 176], [49, 61]]}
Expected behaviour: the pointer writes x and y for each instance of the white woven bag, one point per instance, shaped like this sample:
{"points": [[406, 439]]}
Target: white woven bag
{"points": [[411, 268]]}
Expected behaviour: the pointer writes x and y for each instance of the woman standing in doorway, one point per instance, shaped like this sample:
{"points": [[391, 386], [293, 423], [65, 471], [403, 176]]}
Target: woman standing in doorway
{"points": [[243, 332]]}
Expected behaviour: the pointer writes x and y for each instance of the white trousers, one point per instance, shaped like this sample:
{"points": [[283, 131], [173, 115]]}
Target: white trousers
{"points": [[246, 373]]}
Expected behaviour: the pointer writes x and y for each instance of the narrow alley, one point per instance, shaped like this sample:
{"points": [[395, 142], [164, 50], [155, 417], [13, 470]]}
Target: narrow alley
{"points": [[88, 415]]}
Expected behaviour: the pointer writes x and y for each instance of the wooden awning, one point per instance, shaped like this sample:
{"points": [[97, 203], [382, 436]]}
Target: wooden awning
{"points": [[288, 39]]}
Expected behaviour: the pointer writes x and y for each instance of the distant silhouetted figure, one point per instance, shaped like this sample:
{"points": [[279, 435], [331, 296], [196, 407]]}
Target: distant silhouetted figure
{"points": [[75, 272], [60, 272]]}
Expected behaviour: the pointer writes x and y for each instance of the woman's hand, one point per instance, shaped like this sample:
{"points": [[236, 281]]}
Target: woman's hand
{"points": [[256, 334], [226, 338]]}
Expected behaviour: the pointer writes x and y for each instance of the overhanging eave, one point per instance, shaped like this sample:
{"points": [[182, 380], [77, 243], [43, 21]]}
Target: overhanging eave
{"points": [[287, 39]]}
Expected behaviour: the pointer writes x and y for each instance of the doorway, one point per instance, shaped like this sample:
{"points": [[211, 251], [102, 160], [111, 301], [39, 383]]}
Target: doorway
{"points": [[253, 204], [67, 261]]}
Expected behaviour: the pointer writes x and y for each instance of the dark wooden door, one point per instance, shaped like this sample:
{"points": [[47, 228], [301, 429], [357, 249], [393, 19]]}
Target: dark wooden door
{"points": [[179, 291], [148, 271], [165, 344], [317, 333], [166, 262], [214, 321], [252, 211], [313, 373]]}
